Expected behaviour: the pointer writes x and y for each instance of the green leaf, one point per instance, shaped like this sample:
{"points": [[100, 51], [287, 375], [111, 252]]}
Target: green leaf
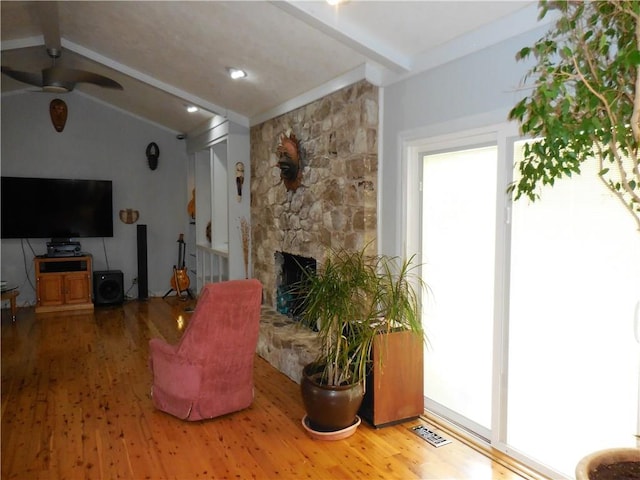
{"points": [[523, 53], [634, 58]]}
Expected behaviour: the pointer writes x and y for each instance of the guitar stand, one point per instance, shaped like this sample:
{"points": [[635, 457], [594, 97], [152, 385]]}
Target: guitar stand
{"points": [[175, 286], [179, 294]]}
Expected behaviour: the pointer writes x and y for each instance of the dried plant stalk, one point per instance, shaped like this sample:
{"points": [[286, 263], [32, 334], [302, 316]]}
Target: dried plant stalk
{"points": [[245, 233]]}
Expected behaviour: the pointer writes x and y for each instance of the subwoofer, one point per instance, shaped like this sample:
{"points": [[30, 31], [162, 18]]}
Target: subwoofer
{"points": [[108, 287]]}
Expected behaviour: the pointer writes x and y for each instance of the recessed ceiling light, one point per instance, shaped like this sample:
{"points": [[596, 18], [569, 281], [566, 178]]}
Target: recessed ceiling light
{"points": [[236, 73], [192, 109]]}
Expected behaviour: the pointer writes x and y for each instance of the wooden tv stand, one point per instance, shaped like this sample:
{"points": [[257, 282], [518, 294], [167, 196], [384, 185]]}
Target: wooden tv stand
{"points": [[63, 283]]}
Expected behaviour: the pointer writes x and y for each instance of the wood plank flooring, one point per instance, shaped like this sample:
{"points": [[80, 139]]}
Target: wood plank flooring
{"points": [[75, 404]]}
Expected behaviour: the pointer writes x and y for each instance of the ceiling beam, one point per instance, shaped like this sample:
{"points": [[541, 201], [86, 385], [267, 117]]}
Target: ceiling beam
{"points": [[17, 43], [499, 30], [323, 17]]}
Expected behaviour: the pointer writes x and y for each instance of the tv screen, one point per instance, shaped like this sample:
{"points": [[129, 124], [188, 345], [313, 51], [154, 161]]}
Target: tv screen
{"points": [[56, 208]]}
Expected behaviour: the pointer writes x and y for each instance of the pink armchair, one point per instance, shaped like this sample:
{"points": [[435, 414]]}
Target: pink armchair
{"points": [[210, 371]]}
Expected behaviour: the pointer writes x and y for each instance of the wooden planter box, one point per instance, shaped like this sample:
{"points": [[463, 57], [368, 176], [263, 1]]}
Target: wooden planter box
{"points": [[394, 390]]}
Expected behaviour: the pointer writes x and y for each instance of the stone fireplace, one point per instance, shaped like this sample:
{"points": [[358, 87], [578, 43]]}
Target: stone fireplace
{"points": [[335, 206]]}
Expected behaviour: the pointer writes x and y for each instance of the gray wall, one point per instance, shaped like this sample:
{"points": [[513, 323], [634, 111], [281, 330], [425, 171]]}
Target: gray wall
{"points": [[98, 142], [471, 92]]}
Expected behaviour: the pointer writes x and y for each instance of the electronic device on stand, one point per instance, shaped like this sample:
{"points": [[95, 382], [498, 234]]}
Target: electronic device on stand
{"points": [[63, 248]]}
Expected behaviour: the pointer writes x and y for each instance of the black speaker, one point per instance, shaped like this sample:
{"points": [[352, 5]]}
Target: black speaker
{"points": [[143, 286], [108, 287]]}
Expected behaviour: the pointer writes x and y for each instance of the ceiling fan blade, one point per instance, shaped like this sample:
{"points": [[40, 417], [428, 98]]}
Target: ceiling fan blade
{"points": [[25, 77], [69, 75]]}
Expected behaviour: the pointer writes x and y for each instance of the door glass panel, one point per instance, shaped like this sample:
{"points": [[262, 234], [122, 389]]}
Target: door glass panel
{"points": [[573, 356], [459, 204]]}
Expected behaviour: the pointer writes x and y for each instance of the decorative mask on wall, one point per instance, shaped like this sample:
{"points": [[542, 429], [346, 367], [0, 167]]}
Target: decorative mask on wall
{"points": [[289, 161], [153, 153], [239, 179], [58, 114]]}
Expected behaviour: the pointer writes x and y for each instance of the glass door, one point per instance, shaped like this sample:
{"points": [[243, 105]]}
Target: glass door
{"points": [[533, 314], [458, 252], [573, 354]]}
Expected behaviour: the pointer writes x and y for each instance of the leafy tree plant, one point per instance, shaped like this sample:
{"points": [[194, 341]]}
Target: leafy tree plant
{"points": [[585, 101]]}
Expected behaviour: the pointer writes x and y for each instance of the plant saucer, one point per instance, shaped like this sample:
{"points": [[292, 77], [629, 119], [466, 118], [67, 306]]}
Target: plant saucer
{"points": [[333, 435]]}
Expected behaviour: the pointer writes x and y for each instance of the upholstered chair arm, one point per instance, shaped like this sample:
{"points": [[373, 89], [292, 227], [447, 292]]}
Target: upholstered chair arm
{"points": [[176, 381], [158, 347]]}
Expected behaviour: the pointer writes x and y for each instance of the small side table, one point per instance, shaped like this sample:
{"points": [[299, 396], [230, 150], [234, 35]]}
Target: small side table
{"points": [[11, 296]]}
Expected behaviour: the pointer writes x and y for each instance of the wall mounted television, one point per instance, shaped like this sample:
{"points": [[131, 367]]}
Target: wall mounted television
{"points": [[56, 208]]}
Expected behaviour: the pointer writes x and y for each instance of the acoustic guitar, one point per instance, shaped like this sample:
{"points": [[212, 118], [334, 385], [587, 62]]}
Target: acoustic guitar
{"points": [[180, 280]]}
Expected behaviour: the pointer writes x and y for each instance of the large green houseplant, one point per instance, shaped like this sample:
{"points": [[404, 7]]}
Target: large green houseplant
{"points": [[352, 298], [584, 101]]}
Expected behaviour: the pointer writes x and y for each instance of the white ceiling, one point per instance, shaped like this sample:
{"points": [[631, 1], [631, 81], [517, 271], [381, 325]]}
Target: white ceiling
{"points": [[169, 54]]}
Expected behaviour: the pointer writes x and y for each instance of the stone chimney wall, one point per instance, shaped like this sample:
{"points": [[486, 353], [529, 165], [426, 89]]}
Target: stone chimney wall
{"points": [[336, 205]]}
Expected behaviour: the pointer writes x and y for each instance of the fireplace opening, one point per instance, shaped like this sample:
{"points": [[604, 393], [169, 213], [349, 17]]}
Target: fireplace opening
{"points": [[290, 271]]}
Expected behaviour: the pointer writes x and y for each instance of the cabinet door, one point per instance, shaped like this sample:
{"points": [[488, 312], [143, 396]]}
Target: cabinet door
{"points": [[77, 288], [50, 290]]}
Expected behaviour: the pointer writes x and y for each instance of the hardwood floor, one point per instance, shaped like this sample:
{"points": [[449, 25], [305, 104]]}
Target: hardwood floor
{"points": [[75, 404]]}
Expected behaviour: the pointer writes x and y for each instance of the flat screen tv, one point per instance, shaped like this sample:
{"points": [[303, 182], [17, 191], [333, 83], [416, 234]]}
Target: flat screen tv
{"points": [[56, 208]]}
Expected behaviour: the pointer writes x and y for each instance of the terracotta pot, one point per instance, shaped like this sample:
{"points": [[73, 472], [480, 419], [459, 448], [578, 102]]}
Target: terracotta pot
{"points": [[605, 457], [329, 408]]}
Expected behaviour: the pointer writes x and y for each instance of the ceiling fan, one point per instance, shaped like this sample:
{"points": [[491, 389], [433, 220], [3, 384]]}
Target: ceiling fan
{"points": [[57, 79]]}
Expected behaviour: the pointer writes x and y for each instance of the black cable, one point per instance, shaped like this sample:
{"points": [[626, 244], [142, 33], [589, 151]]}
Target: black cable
{"points": [[24, 261], [106, 257]]}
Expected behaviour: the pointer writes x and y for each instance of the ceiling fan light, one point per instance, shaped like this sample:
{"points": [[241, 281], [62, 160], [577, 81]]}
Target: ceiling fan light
{"points": [[236, 73], [55, 89], [55, 80]]}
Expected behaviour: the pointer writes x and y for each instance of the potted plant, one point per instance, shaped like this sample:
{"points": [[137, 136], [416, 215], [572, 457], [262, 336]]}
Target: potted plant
{"points": [[610, 463], [352, 298], [584, 104], [585, 99]]}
